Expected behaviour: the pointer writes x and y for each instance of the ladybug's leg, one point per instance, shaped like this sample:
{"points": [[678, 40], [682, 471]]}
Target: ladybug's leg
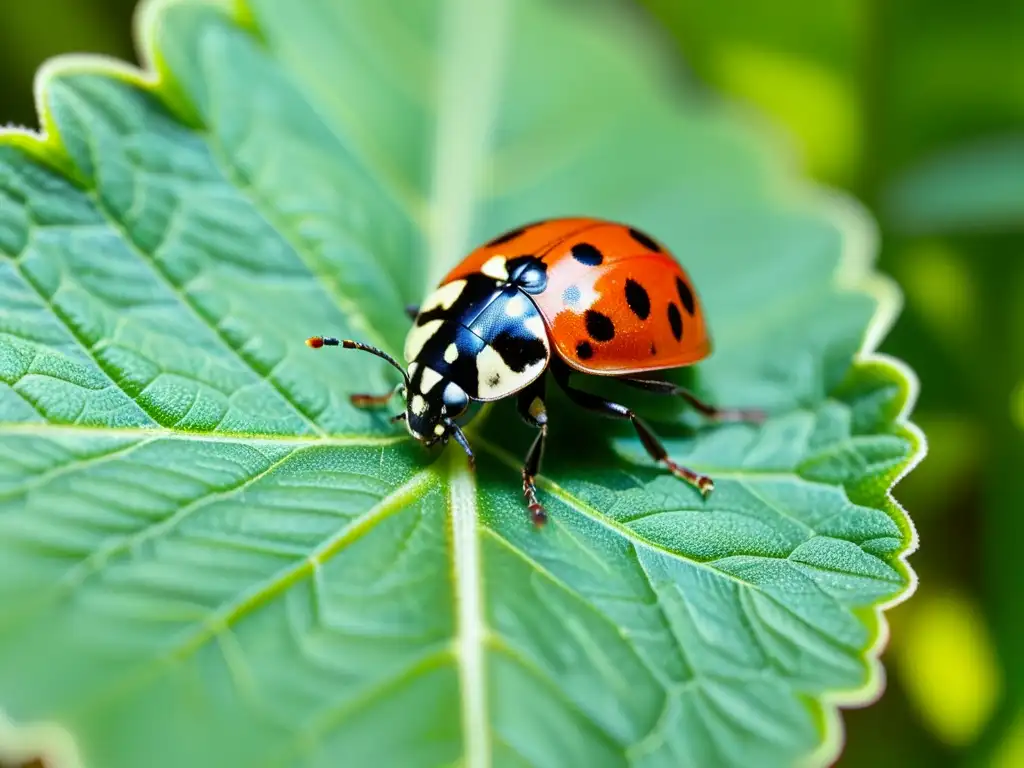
{"points": [[711, 411], [370, 401], [530, 404], [373, 401], [650, 441]]}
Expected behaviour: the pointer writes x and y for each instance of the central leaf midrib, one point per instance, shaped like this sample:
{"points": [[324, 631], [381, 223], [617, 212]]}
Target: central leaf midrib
{"points": [[474, 33]]}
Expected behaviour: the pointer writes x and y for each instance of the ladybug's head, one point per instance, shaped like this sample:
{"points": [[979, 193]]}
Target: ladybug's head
{"points": [[432, 403]]}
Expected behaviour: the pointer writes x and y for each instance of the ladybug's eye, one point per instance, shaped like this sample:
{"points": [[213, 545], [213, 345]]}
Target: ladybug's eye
{"points": [[455, 399]]}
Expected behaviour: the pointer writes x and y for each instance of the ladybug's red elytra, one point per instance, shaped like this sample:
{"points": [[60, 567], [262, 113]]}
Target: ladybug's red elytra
{"points": [[561, 296]]}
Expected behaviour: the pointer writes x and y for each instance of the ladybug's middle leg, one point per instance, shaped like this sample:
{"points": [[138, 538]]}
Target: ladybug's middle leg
{"points": [[711, 411], [650, 441], [530, 404]]}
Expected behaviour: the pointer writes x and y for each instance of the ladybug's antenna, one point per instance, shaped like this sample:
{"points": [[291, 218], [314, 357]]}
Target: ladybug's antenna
{"points": [[326, 341]]}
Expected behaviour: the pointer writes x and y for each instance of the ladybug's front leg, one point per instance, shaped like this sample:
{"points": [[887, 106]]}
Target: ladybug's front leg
{"points": [[650, 441], [711, 411], [530, 404]]}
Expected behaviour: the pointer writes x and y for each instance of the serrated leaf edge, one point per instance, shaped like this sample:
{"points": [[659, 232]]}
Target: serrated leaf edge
{"points": [[855, 273]]}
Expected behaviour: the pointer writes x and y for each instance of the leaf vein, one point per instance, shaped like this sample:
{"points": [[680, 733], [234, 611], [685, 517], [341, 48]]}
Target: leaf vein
{"points": [[81, 342], [230, 612]]}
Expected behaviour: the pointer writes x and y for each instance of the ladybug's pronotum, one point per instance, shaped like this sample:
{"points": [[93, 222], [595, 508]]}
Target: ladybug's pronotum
{"points": [[564, 295]]}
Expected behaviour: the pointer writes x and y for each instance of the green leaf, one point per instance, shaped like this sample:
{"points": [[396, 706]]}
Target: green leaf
{"points": [[207, 557], [977, 187]]}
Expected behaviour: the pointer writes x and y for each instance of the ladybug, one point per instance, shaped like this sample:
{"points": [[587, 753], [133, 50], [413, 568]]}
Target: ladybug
{"points": [[571, 295]]}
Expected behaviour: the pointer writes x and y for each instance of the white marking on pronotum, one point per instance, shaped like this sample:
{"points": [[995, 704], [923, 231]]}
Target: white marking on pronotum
{"points": [[444, 296], [418, 336], [413, 367], [495, 267], [418, 405], [429, 379], [451, 353], [439, 429]]}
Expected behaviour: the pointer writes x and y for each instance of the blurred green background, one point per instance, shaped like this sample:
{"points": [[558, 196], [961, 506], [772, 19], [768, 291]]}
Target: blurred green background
{"points": [[916, 108]]}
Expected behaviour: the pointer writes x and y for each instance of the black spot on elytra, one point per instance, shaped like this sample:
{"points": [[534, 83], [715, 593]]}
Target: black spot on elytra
{"points": [[571, 296], [584, 351], [675, 320], [654, 349], [512, 234], [638, 299], [518, 352], [587, 254], [685, 295], [600, 327], [645, 240]]}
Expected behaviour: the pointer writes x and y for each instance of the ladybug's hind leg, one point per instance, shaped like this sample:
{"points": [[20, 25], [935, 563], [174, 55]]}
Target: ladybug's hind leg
{"points": [[650, 441], [530, 404], [711, 411]]}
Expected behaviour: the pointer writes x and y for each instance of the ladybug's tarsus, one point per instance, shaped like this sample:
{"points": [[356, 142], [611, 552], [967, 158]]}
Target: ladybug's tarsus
{"points": [[702, 483], [536, 509], [705, 485], [745, 415]]}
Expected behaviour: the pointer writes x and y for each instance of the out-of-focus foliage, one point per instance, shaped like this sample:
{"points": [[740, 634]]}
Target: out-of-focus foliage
{"points": [[31, 32], [878, 96], [973, 188], [918, 107]]}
